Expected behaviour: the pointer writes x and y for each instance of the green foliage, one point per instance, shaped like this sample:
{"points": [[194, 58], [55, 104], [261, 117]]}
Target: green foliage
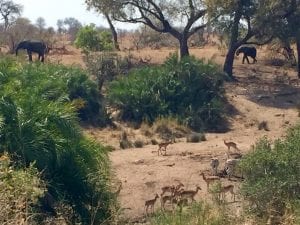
{"points": [[89, 38], [199, 213], [190, 90], [272, 173], [20, 190], [39, 124], [58, 83]]}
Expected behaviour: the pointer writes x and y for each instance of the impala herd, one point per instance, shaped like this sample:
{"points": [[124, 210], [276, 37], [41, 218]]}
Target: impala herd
{"points": [[177, 195]]}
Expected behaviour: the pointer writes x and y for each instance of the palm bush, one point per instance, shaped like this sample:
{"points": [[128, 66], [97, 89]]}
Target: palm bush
{"points": [[39, 124], [190, 90]]}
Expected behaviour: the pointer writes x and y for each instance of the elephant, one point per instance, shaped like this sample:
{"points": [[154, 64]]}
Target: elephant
{"points": [[33, 46], [248, 51]]}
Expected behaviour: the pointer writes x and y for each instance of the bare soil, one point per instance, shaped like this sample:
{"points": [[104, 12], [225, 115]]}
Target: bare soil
{"points": [[261, 93]]}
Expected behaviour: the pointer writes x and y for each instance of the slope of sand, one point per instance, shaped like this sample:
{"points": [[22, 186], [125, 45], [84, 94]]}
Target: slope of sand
{"points": [[262, 93]]}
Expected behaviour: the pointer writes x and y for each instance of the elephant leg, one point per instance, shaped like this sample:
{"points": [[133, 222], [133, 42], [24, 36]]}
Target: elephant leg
{"points": [[247, 59], [29, 55], [42, 57], [244, 57]]}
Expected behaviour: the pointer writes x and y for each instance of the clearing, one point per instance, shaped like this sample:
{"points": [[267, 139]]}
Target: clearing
{"points": [[262, 93]]}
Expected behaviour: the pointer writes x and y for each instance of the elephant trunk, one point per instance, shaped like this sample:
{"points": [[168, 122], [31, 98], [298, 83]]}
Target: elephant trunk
{"points": [[21, 45]]}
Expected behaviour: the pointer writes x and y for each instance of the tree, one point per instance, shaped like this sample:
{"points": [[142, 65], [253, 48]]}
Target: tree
{"points": [[20, 30], [60, 26], [8, 11], [284, 22], [73, 26], [181, 18], [104, 7], [238, 16], [41, 24]]}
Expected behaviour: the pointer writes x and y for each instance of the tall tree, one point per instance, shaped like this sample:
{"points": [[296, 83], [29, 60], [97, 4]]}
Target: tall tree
{"points": [[73, 26], [281, 19], [41, 24], [239, 16], [180, 18], [286, 23], [21, 29], [105, 7], [9, 11], [60, 26]]}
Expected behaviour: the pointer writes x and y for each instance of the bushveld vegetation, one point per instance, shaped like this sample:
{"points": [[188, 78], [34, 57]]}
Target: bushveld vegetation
{"points": [[89, 38], [200, 213], [272, 177], [40, 108], [39, 124], [190, 90]]}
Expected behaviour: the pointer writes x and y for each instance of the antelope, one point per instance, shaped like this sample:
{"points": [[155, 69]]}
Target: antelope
{"points": [[231, 144], [189, 194], [163, 147], [209, 179], [164, 199], [224, 190], [172, 189], [150, 203]]}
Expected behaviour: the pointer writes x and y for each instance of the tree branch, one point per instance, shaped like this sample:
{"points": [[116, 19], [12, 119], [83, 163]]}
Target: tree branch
{"points": [[260, 43]]}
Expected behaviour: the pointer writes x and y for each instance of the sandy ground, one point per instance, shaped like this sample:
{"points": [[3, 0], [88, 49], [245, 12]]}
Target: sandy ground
{"points": [[262, 93]]}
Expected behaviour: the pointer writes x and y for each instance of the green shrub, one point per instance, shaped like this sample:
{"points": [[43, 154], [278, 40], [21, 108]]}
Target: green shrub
{"points": [[58, 83], [198, 213], [105, 66], [20, 190], [89, 38], [272, 174], [39, 124], [190, 90], [138, 143]]}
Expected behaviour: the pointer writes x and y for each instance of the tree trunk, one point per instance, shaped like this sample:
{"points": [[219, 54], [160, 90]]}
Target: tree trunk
{"points": [[113, 31], [184, 49], [228, 65], [298, 53], [233, 45]]}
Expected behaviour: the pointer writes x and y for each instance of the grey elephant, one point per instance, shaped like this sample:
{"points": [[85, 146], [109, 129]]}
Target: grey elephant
{"points": [[248, 51], [33, 46]]}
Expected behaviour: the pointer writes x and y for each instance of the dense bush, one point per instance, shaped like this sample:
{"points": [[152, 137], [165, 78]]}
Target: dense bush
{"points": [[272, 174], [89, 38], [190, 90], [105, 66], [20, 189], [60, 83], [39, 124]]}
